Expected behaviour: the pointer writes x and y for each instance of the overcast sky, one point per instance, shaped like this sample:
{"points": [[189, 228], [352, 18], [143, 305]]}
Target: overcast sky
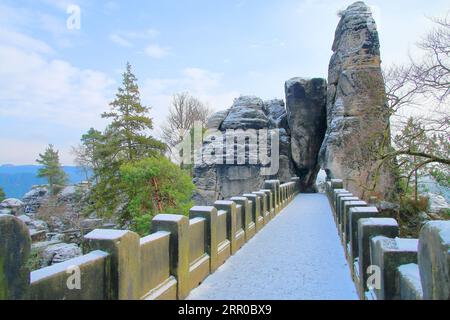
{"points": [[55, 81]]}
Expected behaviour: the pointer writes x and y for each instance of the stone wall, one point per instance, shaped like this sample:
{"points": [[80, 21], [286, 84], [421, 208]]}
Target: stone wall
{"points": [[175, 258], [384, 266]]}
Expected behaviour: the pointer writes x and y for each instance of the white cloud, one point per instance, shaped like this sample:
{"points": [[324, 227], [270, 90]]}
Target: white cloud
{"points": [[156, 51], [32, 85], [120, 40], [128, 38], [60, 4], [23, 42], [18, 21], [25, 151], [52, 93]]}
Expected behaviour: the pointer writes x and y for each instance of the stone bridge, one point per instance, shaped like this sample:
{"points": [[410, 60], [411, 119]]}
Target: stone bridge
{"points": [[273, 243]]}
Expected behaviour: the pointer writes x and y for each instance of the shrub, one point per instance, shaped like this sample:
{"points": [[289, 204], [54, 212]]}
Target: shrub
{"points": [[154, 185]]}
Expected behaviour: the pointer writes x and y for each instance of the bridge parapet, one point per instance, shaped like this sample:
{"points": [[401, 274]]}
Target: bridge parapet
{"points": [[384, 266], [176, 257]]}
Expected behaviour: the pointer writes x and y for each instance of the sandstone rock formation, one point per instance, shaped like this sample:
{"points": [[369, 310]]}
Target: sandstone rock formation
{"points": [[59, 252], [221, 180], [306, 116], [357, 115], [34, 198], [247, 112], [336, 125], [11, 206]]}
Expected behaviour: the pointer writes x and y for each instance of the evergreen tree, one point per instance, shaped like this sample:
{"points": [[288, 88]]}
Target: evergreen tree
{"points": [[130, 121], [51, 169], [154, 185], [126, 139], [2, 194]]}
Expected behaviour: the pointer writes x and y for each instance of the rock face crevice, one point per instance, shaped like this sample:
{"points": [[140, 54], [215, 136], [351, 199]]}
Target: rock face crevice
{"points": [[357, 116], [306, 116], [300, 126]]}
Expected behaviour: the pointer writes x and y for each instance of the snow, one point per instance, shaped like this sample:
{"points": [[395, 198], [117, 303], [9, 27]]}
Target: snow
{"points": [[298, 255], [168, 217], [154, 236], [202, 208], [411, 273], [66, 265], [196, 220], [11, 203], [363, 209], [443, 227], [381, 221], [407, 244], [239, 198], [107, 234]]}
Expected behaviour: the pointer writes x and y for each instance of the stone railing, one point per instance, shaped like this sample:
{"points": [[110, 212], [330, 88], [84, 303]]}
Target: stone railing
{"points": [[175, 258], [384, 266]]}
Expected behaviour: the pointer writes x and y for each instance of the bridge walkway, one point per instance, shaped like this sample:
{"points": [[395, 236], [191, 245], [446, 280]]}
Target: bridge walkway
{"points": [[298, 255]]}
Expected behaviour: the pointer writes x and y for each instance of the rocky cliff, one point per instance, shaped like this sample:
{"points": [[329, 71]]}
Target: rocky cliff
{"points": [[235, 137], [336, 125], [290, 136], [56, 223], [357, 117]]}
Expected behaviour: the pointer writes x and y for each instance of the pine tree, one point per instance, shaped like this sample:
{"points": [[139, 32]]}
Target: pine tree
{"points": [[51, 169], [126, 139], [2, 194], [130, 121]]}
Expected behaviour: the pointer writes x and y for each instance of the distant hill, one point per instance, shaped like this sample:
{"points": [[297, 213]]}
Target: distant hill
{"points": [[18, 180]]}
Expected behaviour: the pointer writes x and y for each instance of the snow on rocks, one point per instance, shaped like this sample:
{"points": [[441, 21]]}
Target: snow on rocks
{"points": [[60, 252], [12, 206], [437, 203]]}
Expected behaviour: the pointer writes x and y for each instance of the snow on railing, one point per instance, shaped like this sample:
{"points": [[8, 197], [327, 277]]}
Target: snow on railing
{"points": [[384, 266], [176, 257]]}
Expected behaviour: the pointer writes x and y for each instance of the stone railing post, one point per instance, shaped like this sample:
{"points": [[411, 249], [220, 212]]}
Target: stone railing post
{"points": [[337, 184], [265, 211], [230, 208], [256, 204], [388, 254], [296, 186], [274, 186], [434, 260], [354, 215], [210, 215], [346, 219], [178, 226], [15, 245], [250, 228], [123, 246], [269, 196], [367, 229], [340, 200], [334, 197]]}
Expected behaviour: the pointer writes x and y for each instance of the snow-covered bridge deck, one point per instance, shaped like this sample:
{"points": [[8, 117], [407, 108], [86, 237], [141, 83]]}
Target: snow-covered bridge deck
{"points": [[298, 255]]}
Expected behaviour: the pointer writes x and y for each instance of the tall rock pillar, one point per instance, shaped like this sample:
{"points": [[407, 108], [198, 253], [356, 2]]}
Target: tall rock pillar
{"points": [[357, 115]]}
